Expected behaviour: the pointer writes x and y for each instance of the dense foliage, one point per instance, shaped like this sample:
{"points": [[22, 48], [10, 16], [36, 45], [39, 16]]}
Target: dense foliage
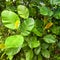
{"points": [[29, 29]]}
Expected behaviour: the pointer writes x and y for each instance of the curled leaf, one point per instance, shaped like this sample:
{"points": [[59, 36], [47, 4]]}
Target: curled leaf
{"points": [[48, 25]]}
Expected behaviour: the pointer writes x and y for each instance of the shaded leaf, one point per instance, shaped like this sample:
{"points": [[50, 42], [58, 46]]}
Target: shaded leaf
{"points": [[44, 46], [55, 2], [38, 29], [29, 55], [33, 42], [49, 38], [56, 30], [37, 50], [39, 57], [57, 13], [46, 53], [48, 25], [46, 11], [12, 51]]}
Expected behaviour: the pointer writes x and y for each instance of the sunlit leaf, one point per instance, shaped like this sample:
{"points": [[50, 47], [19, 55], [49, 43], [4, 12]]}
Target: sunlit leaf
{"points": [[46, 11], [23, 11], [29, 55], [10, 19], [49, 38], [14, 41]]}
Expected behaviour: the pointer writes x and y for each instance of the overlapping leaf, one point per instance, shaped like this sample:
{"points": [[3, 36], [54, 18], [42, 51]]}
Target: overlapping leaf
{"points": [[27, 26], [33, 42], [10, 19], [14, 41], [23, 11], [49, 38], [46, 53], [46, 11]]}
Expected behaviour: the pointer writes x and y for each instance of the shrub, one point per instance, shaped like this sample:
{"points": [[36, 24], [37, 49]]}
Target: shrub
{"points": [[29, 30]]}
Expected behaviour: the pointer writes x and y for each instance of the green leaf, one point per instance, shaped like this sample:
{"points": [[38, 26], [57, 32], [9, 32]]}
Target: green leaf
{"points": [[12, 51], [14, 41], [10, 19], [23, 11], [55, 2], [57, 13], [10, 57], [45, 11], [29, 55], [46, 53], [44, 46], [58, 44], [27, 26], [39, 57], [37, 50], [38, 33], [33, 42], [56, 30], [38, 30], [49, 38]]}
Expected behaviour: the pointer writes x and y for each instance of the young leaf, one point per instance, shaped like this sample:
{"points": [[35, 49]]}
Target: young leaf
{"points": [[27, 26], [49, 38], [14, 41], [23, 11], [10, 19]]}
